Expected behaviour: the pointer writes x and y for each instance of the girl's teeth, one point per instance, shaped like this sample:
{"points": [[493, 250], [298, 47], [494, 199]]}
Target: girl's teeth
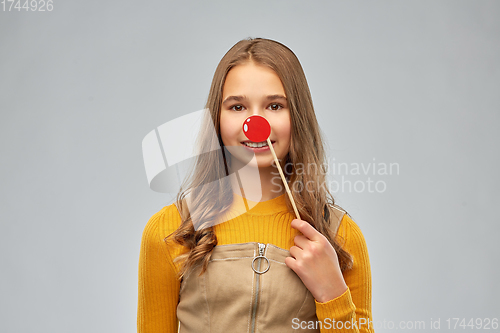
{"points": [[255, 144]]}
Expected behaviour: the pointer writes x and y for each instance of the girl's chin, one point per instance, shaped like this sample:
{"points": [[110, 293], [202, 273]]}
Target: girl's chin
{"points": [[242, 157], [259, 163], [262, 166]]}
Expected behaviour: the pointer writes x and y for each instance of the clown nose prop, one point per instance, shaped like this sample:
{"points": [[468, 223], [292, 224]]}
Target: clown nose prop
{"points": [[258, 129]]}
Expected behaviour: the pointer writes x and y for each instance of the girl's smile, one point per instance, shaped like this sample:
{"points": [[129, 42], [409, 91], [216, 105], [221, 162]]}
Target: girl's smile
{"points": [[257, 147]]}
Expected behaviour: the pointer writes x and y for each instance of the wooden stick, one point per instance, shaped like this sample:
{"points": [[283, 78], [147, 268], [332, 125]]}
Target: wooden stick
{"points": [[283, 179]]}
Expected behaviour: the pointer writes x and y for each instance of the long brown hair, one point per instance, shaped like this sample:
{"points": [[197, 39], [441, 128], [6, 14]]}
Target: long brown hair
{"points": [[315, 205]]}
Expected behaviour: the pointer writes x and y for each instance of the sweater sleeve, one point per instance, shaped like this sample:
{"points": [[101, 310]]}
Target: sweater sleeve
{"points": [[351, 311], [158, 283]]}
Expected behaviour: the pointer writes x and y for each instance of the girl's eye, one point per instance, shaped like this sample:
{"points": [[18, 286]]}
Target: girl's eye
{"points": [[276, 106], [236, 107]]}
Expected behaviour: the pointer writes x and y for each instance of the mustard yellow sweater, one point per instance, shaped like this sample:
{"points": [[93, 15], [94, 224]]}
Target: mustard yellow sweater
{"points": [[270, 223]]}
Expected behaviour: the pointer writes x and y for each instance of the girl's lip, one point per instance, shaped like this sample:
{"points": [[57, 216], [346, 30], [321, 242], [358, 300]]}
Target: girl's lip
{"points": [[272, 141], [256, 150]]}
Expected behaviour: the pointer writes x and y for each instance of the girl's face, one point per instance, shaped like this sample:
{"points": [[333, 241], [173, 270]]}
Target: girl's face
{"points": [[252, 89]]}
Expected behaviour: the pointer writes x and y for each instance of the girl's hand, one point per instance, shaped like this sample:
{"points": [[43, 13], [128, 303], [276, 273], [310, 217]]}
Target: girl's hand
{"points": [[315, 261]]}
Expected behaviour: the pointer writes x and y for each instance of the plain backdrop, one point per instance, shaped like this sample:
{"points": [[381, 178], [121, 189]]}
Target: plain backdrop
{"points": [[412, 83]]}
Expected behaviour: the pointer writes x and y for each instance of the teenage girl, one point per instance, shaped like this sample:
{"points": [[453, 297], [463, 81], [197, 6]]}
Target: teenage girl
{"points": [[262, 270]]}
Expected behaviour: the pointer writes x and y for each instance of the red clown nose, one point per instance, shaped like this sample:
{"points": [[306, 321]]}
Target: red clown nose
{"points": [[256, 128]]}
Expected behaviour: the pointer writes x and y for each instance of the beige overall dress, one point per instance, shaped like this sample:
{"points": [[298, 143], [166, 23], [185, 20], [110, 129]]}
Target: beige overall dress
{"points": [[247, 287]]}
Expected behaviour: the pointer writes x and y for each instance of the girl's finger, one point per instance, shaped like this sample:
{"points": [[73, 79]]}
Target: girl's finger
{"points": [[295, 251], [306, 229], [301, 241]]}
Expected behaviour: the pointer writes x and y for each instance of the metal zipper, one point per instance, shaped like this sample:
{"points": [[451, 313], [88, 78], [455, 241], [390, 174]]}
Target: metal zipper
{"points": [[262, 248]]}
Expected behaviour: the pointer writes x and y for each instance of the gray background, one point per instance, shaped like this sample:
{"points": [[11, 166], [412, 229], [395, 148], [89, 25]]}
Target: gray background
{"points": [[410, 82]]}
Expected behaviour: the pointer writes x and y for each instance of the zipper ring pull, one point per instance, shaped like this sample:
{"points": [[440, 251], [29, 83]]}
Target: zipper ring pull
{"points": [[261, 255], [260, 272]]}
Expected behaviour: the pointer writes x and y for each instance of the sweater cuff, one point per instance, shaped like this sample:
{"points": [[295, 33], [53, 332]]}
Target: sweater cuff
{"points": [[341, 308]]}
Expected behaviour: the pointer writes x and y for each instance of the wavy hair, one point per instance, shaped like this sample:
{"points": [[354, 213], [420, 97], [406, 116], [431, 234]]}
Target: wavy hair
{"points": [[315, 205]]}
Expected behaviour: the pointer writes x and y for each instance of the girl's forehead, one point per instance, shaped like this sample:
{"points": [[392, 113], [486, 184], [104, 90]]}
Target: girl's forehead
{"points": [[252, 81]]}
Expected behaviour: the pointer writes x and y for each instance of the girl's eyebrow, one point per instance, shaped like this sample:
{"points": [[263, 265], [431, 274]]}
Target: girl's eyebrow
{"points": [[242, 98]]}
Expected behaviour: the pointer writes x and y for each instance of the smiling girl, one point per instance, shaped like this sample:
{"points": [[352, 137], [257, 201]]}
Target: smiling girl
{"points": [[263, 270]]}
